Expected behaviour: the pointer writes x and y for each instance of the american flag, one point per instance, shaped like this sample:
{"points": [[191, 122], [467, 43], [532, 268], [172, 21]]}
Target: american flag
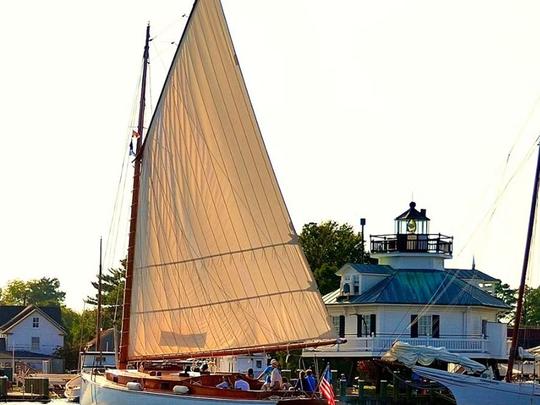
{"points": [[326, 386]]}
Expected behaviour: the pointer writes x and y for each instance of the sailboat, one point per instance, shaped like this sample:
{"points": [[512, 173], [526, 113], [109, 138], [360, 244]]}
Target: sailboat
{"points": [[214, 263], [471, 390]]}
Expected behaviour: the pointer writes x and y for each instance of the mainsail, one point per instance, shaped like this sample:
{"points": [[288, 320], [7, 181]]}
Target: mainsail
{"points": [[217, 262]]}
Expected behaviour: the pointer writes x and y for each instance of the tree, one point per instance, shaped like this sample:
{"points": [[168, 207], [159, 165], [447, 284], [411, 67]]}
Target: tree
{"points": [[508, 296], [41, 292], [327, 247], [112, 293]]}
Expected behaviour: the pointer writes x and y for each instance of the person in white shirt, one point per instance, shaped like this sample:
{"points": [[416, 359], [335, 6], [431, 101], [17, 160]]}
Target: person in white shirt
{"points": [[275, 378]]}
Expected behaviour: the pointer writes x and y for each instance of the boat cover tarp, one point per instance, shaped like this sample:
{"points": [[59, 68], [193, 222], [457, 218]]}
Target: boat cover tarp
{"points": [[425, 355]]}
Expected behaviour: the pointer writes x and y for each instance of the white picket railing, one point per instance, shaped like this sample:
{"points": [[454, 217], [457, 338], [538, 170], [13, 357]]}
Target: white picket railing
{"points": [[378, 344]]}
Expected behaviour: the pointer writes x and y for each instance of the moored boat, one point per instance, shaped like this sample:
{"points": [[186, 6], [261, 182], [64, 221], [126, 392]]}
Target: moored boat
{"points": [[214, 264]]}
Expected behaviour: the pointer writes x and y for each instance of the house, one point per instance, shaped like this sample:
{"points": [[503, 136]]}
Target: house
{"points": [[31, 336], [410, 296]]}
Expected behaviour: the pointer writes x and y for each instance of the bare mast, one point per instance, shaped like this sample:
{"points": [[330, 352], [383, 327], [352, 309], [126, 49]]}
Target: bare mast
{"points": [[124, 336], [99, 299], [519, 308]]}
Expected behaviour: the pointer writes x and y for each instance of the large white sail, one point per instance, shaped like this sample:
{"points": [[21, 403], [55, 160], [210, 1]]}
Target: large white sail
{"points": [[217, 261]]}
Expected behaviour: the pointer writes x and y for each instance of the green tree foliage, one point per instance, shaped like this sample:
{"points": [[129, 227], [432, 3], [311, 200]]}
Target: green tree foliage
{"points": [[112, 294], [42, 292], [80, 328], [531, 309], [508, 296], [327, 247]]}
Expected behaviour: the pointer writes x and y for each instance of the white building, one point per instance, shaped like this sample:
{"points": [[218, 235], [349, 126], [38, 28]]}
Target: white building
{"points": [[410, 296], [31, 335]]}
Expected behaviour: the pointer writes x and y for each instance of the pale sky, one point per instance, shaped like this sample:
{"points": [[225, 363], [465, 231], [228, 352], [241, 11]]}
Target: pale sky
{"points": [[363, 105]]}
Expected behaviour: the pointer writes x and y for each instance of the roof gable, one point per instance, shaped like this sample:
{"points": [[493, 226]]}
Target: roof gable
{"points": [[18, 313]]}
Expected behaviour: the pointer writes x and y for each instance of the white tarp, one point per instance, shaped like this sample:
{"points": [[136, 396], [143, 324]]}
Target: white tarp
{"points": [[425, 355]]}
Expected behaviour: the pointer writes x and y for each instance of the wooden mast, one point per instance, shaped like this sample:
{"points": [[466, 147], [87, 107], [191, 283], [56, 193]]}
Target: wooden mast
{"points": [[124, 336], [519, 309]]}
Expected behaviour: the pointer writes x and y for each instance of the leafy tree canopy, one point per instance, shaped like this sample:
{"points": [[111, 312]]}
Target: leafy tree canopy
{"points": [[327, 247], [42, 292]]}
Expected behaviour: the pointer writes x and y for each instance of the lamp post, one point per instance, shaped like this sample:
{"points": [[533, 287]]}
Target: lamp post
{"points": [[362, 224]]}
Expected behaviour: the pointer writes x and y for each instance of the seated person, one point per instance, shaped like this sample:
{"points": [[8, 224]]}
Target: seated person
{"points": [[240, 384], [224, 383], [250, 373]]}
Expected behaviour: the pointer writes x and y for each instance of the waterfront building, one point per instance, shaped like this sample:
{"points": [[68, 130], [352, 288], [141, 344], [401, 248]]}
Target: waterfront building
{"points": [[30, 336], [410, 296]]}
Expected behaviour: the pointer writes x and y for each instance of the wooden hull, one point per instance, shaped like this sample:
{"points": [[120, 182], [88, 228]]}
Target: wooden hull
{"points": [[469, 390], [98, 390]]}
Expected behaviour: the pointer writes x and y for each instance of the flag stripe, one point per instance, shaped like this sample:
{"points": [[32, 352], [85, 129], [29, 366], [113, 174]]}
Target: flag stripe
{"points": [[326, 387]]}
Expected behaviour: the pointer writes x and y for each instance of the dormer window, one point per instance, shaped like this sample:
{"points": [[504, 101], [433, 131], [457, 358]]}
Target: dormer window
{"points": [[356, 284], [35, 322]]}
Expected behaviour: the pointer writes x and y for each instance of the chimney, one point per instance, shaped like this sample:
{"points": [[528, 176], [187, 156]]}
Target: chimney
{"points": [[423, 211]]}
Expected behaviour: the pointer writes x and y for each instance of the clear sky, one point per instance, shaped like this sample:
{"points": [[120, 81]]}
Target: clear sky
{"points": [[363, 105]]}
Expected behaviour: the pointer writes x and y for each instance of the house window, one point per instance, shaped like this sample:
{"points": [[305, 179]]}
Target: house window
{"points": [[35, 322], [356, 284], [35, 343], [339, 325], [366, 325], [424, 325], [258, 364]]}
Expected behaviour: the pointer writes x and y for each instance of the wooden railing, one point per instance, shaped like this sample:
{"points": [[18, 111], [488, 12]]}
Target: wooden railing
{"points": [[425, 243]]}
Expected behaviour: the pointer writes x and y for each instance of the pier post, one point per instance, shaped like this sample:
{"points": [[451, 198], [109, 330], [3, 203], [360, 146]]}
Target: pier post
{"points": [[361, 391], [395, 385], [384, 391]]}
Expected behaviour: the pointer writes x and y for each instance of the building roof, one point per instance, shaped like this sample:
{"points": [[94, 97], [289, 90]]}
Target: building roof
{"points": [[25, 354], [421, 287], [413, 213], [472, 274], [368, 268], [11, 314]]}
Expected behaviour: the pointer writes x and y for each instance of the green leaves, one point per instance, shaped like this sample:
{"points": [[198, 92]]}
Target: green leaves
{"points": [[41, 292], [327, 247]]}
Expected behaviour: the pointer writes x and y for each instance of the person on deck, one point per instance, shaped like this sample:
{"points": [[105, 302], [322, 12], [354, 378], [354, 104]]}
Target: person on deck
{"points": [[312, 382], [275, 377], [302, 383], [224, 384], [250, 373], [240, 384]]}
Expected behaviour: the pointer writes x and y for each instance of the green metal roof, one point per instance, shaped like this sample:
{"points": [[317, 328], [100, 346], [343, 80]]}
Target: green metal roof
{"points": [[368, 268], [421, 287]]}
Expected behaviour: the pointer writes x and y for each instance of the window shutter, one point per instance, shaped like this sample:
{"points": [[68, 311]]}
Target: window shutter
{"points": [[414, 326], [359, 322], [372, 325], [435, 321], [342, 326]]}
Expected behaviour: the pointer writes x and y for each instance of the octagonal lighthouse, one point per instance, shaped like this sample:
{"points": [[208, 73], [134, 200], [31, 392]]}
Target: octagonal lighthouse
{"points": [[412, 246]]}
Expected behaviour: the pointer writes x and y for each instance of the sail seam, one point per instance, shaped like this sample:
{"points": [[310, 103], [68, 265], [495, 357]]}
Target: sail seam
{"points": [[205, 305], [217, 255]]}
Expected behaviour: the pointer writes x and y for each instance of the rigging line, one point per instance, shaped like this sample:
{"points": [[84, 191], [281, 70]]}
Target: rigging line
{"points": [[118, 197], [488, 216]]}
